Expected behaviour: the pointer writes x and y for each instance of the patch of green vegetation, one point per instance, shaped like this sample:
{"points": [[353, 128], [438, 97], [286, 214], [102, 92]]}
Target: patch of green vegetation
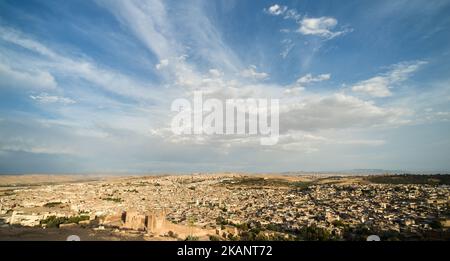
{"points": [[338, 223], [436, 224], [117, 200], [267, 182], [54, 221], [257, 181], [301, 185], [191, 238], [8, 193], [214, 238], [221, 221], [52, 204], [274, 227], [437, 179], [314, 233], [278, 232], [232, 237]]}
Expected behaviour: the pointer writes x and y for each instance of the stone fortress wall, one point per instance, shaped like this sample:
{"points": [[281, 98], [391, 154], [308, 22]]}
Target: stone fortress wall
{"points": [[153, 222]]}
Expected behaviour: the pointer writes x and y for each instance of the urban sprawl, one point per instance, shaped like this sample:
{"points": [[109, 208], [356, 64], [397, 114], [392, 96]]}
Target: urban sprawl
{"points": [[231, 207]]}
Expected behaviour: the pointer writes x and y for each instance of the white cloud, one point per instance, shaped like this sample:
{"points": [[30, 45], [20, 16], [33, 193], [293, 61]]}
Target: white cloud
{"points": [[308, 114], [13, 36], [322, 27], [112, 81], [284, 11], [306, 142], [44, 98], [338, 111], [287, 47], [215, 73], [363, 142], [294, 90], [35, 149], [31, 79], [403, 71], [309, 78], [163, 63], [292, 14], [161, 33], [251, 72], [147, 20], [276, 9], [379, 86]]}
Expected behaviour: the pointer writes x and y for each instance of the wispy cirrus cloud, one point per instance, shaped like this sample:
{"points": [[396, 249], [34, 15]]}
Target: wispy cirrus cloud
{"points": [[26, 79], [52, 63], [309, 78], [325, 28], [288, 44], [252, 73], [381, 85], [322, 27], [44, 98]]}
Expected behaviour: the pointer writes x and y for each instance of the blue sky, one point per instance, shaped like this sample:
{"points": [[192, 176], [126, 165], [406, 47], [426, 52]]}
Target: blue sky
{"points": [[86, 86]]}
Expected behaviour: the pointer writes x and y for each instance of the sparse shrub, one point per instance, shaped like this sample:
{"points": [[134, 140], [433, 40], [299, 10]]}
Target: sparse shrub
{"points": [[118, 200], [172, 234], [52, 204], [54, 221], [191, 238], [214, 238]]}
